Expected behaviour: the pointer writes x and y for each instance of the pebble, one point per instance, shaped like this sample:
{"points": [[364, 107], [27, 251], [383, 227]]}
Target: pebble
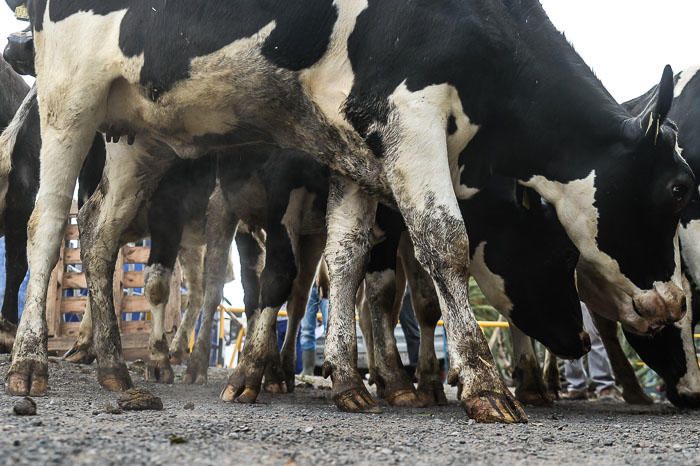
{"points": [[189, 405], [139, 399], [24, 407], [308, 430]]}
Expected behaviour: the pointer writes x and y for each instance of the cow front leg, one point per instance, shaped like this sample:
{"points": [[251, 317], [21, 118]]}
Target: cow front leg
{"points": [[261, 356], [82, 351], [552, 376], [310, 250], [64, 147], [430, 210], [131, 175], [529, 379], [351, 214], [220, 228], [192, 263], [17, 213], [427, 308]]}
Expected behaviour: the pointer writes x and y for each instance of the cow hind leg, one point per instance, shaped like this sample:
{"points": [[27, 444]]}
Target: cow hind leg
{"points": [[310, 251], [437, 231], [65, 143], [261, 357], [192, 263], [351, 214], [529, 379], [220, 228], [552, 376], [131, 175], [16, 218], [427, 308]]}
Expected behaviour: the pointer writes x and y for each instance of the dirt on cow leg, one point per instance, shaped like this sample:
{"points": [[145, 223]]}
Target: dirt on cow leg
{"points": [[7, 336], [197, 367], [551, 375]]}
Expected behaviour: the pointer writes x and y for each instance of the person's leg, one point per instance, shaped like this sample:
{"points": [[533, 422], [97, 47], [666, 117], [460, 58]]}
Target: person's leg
{"points": [[576, 377], [598, 362], [308, 333], [411, 331]]}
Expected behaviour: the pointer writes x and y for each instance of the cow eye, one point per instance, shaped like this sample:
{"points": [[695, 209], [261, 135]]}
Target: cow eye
{"points": [[679, 191]]}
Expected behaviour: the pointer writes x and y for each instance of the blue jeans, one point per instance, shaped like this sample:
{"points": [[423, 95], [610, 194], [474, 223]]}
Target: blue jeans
{"points": [[308, 323]]}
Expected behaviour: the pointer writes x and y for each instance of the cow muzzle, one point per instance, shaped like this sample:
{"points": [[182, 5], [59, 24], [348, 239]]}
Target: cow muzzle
{"points": [[19, 52], [663, 305]]}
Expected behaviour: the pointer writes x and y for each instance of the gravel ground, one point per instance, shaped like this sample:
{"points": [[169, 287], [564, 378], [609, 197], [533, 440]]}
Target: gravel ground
{"points": [[71, 426]]}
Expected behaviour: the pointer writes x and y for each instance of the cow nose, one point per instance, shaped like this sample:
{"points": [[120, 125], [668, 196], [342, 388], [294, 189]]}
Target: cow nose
{"points": [[665, 303], [585, 341]]}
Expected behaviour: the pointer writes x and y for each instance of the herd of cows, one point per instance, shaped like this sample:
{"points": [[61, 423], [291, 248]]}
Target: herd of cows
{"points": [[339, 130]]}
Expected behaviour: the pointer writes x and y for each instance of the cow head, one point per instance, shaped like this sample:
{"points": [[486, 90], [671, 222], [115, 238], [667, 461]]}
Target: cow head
{"points": [[524, 263], [623, 217], [19, 52]]}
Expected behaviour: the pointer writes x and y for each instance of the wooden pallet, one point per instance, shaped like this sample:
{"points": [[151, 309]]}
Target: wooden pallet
{"points": [[67, 296]]}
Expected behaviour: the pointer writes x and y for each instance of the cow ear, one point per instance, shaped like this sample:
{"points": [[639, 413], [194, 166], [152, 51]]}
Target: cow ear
{"points": [[657, 113]]}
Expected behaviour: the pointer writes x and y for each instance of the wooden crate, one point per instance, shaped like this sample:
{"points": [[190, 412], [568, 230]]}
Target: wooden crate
{"points": [[67, 296]]}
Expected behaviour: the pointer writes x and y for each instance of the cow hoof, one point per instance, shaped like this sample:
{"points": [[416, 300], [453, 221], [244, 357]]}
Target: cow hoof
{"points": [[492, 407], [28, 377], [289, 370], [160, 371], [115, 379], [405, 398], [274, 380], [243, 384], [432, 394], [7, 336], [533, 397], [349, 392], [196, 372], [80, 353]]}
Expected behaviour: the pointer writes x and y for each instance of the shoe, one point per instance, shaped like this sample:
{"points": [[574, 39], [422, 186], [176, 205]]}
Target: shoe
{"points": [[610, 394], [575, 395], [308, 362]]}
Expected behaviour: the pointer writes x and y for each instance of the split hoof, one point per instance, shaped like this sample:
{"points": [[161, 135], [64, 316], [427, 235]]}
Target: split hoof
{"points": [[274, 381], [160, 372], [79, 354], [356, 400], [275, 388], [405, 398], [28, 377], [492, 407], [233, 394], [432, 394], [115, 379]]}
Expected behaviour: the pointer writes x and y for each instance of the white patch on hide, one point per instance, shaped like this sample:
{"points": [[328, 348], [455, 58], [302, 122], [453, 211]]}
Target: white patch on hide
{"points": [[686, 77], [492, 285]]}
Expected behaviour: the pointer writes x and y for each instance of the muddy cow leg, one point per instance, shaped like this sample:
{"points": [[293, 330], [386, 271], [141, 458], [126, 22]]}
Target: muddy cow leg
{"points": [[82, 351], [261, 356], [365, 322], [552, 377], [351, 214], [165, 223], [527, 373], [384, 297], [251, 251], [220, 228], [192, 262], [439, 236], [310, 249], [66, 139], [632, 391], [131, 175], [427, 309]]}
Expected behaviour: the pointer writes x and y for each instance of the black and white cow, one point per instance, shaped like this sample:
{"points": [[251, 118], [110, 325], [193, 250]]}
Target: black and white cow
{"points": [[373, 95]]}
